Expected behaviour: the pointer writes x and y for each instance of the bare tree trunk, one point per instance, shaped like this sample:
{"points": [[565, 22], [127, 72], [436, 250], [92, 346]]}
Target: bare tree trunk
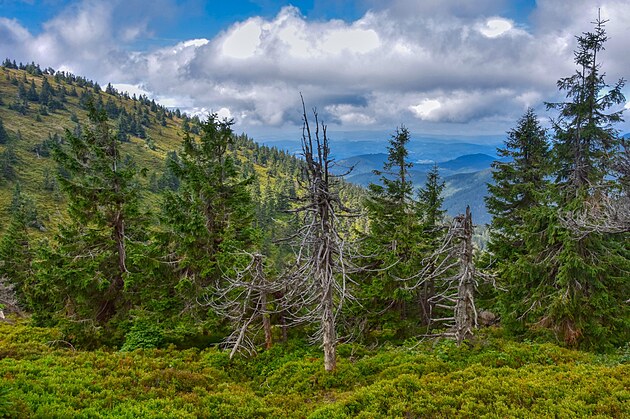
{"points": [[282, 319], [329, 334], [266, 320], [426, 305], [241, 336], [285, 327], [465, 312], [318, 281], [259, 277]]}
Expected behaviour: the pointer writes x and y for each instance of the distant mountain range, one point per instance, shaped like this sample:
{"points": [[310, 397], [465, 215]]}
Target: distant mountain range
{"points": [[464, 166], [421, 149], [466, 177]]}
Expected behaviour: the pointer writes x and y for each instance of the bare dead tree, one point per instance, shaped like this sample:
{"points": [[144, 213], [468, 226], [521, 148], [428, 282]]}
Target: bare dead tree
{"points": [[318, 283], [454, 291], [243, 299]]}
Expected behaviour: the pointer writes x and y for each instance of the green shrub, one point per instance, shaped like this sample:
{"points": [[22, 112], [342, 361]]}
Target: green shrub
{"points": [[489, 377], [144, 334], [5, 402]]}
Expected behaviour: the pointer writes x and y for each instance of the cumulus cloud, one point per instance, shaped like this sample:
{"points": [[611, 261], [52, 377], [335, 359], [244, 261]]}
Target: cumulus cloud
{"points": [[444, 66]]}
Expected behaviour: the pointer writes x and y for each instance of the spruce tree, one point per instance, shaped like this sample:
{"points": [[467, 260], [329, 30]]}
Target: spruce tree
{"points": [[15, 246], [4, 136], [519, 184], [394, 239], [209, 218], [430, 201], [575, 284], [8, 161], [430, 213], [96, 262]]}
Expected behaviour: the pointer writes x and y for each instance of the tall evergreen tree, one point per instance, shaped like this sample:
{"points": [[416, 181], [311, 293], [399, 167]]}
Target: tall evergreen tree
{"points": [[577, 283], [209, 218], [585, 133], [97, 257], [430, 200], [15, 246], [430, 214], [519, 184], [394, 239]]}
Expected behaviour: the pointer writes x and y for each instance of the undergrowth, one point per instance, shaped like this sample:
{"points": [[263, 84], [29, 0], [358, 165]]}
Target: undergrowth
{"points": [[41, 376]]}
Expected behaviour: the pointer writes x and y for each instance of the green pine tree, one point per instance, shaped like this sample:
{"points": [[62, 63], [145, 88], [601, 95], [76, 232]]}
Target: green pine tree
{"points": [[576, 282], [210, 217], [94, 268], [431, 216], [4, 136], [393, 242], [15, 245], [519, 184]]}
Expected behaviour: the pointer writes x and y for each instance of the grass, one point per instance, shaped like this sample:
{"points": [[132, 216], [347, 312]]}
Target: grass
{"points": [[43, 377]]}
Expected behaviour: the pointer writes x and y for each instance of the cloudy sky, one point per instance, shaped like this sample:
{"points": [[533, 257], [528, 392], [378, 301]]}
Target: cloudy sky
{"points": [[440, 67]]}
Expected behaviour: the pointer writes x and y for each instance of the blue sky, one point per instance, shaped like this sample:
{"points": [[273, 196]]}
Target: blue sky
{"points": [[199, 19], [441, 67]]}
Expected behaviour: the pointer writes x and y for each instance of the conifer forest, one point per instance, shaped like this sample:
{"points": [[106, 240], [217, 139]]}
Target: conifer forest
{"points": [[156, 263]]}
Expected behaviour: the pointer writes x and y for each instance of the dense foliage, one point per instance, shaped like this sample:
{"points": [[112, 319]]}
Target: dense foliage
{"points": [[43, 377]]}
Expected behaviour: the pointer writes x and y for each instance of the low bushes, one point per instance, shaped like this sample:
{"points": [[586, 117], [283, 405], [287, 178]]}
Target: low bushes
{"points": [[41, 376]]}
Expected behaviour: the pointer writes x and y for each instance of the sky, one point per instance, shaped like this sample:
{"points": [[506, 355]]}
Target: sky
{"points": [[443, 68]]}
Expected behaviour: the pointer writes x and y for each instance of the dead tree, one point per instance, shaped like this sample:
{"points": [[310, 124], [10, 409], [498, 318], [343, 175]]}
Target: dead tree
{"points": [[243, 299], [317, 285], [605, 215], [452, 270], [465, 312]]}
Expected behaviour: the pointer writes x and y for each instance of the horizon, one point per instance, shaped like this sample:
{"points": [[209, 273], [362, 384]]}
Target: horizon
{"points": [[452, 70]]}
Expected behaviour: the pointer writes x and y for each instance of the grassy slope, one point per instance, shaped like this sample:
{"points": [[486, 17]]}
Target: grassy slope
{"points": [[41, 377], [30, 169]]}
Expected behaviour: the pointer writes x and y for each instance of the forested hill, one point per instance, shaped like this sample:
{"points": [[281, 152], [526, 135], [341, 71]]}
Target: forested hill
{"points": [[37, 106]]}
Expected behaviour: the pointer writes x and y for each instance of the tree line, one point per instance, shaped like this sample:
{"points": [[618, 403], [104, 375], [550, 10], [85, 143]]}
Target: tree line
{"points": [[249, 258]]}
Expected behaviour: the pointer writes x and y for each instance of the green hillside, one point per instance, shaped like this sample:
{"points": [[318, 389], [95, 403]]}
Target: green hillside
{"points": [[150, 133], [32, 126]]}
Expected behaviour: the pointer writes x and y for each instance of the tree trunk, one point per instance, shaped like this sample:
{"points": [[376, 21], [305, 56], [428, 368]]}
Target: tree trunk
{"points": [[465, 312], [108, 309], [266, 320], [328, 329]]}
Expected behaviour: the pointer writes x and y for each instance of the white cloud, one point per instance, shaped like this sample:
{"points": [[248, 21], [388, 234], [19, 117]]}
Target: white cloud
{"points": [[433, 65], [243, 40], [12, 32], [425, 108], [495, 27], [224, 113], [352, 40], [353, 115]]}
